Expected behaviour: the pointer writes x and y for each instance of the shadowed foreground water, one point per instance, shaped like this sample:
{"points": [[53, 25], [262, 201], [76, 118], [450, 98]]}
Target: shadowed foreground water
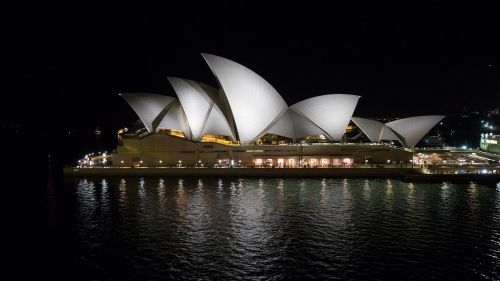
{"points": [[273, 229]]}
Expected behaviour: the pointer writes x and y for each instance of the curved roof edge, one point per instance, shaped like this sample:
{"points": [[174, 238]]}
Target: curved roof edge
{"points": [[371, 128], [217, 124], [149, 107], [413, 129], [195, 102], [304, 127], [376, 131], [253, 103], [388, 134], [175, 119], [331, 113], [283, 126]]}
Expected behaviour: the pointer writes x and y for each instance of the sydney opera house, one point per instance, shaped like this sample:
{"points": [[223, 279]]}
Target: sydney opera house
{"points": [[246, 122]]}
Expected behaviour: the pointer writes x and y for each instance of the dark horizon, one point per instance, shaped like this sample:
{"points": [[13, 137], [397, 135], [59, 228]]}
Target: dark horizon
{"points": [[68, 64]]}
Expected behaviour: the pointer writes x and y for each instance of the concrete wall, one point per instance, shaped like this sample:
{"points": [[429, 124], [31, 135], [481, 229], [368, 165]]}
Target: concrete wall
{"points": [[244, 172], [170, 150]]}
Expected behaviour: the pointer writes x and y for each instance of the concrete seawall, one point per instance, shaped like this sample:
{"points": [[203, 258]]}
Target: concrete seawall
{"points": [[244, 172], [406, 174]]}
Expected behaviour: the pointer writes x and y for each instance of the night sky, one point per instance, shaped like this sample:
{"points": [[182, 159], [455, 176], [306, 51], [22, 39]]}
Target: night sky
{"points": [[66, 63]]}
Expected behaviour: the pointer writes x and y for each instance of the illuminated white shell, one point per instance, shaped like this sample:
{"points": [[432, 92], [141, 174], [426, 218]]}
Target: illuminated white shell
{"points": [[375, 130], [254, 103], [148, 107], [413, 129], [331, 113], [202, 113]]}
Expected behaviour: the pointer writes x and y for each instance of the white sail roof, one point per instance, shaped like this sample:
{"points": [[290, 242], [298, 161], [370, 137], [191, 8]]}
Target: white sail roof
{"points": [[253, 102], [148, 106], [247, 106], [329, 112], [371, 128], [284, 126], [175, 119], [294, 126], [217, 124], [388, 134], [413, 129], [304, 127], [195, 102], [375, 130]]}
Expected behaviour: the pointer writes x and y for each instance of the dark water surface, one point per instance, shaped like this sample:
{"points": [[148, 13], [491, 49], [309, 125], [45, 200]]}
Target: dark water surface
{"points": [[270, 229]]}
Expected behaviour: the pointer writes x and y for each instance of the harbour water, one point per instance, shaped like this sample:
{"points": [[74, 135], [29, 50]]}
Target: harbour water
{"points": [[270, 229]]}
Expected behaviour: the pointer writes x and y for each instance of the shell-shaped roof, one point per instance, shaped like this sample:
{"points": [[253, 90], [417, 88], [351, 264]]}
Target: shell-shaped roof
{"points": [[329, 112], [253, 102], [413, 129], [371, 128], [175, 119], [148, 107], [284, 126], [375, 130], [247, 106]]}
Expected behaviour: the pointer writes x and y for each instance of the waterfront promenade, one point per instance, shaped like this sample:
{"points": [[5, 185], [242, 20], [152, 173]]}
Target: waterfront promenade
{"points": [[411, 174], [239, 172]]}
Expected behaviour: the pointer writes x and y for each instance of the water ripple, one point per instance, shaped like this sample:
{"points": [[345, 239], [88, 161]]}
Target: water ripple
{"points": [[281, 229]]}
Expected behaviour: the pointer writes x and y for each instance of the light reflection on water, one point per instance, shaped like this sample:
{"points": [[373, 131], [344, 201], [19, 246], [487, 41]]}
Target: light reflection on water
{"points": [[86, 195], [285, 228], [161, 193], [122, 189], [388, 189], [410, 195]]}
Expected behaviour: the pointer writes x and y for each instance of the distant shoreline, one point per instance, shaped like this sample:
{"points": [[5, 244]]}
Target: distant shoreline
{"points": [[406, 174]]}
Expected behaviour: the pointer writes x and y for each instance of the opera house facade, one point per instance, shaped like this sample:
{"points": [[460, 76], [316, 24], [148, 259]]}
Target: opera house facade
{"points": [[246, 122]]}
